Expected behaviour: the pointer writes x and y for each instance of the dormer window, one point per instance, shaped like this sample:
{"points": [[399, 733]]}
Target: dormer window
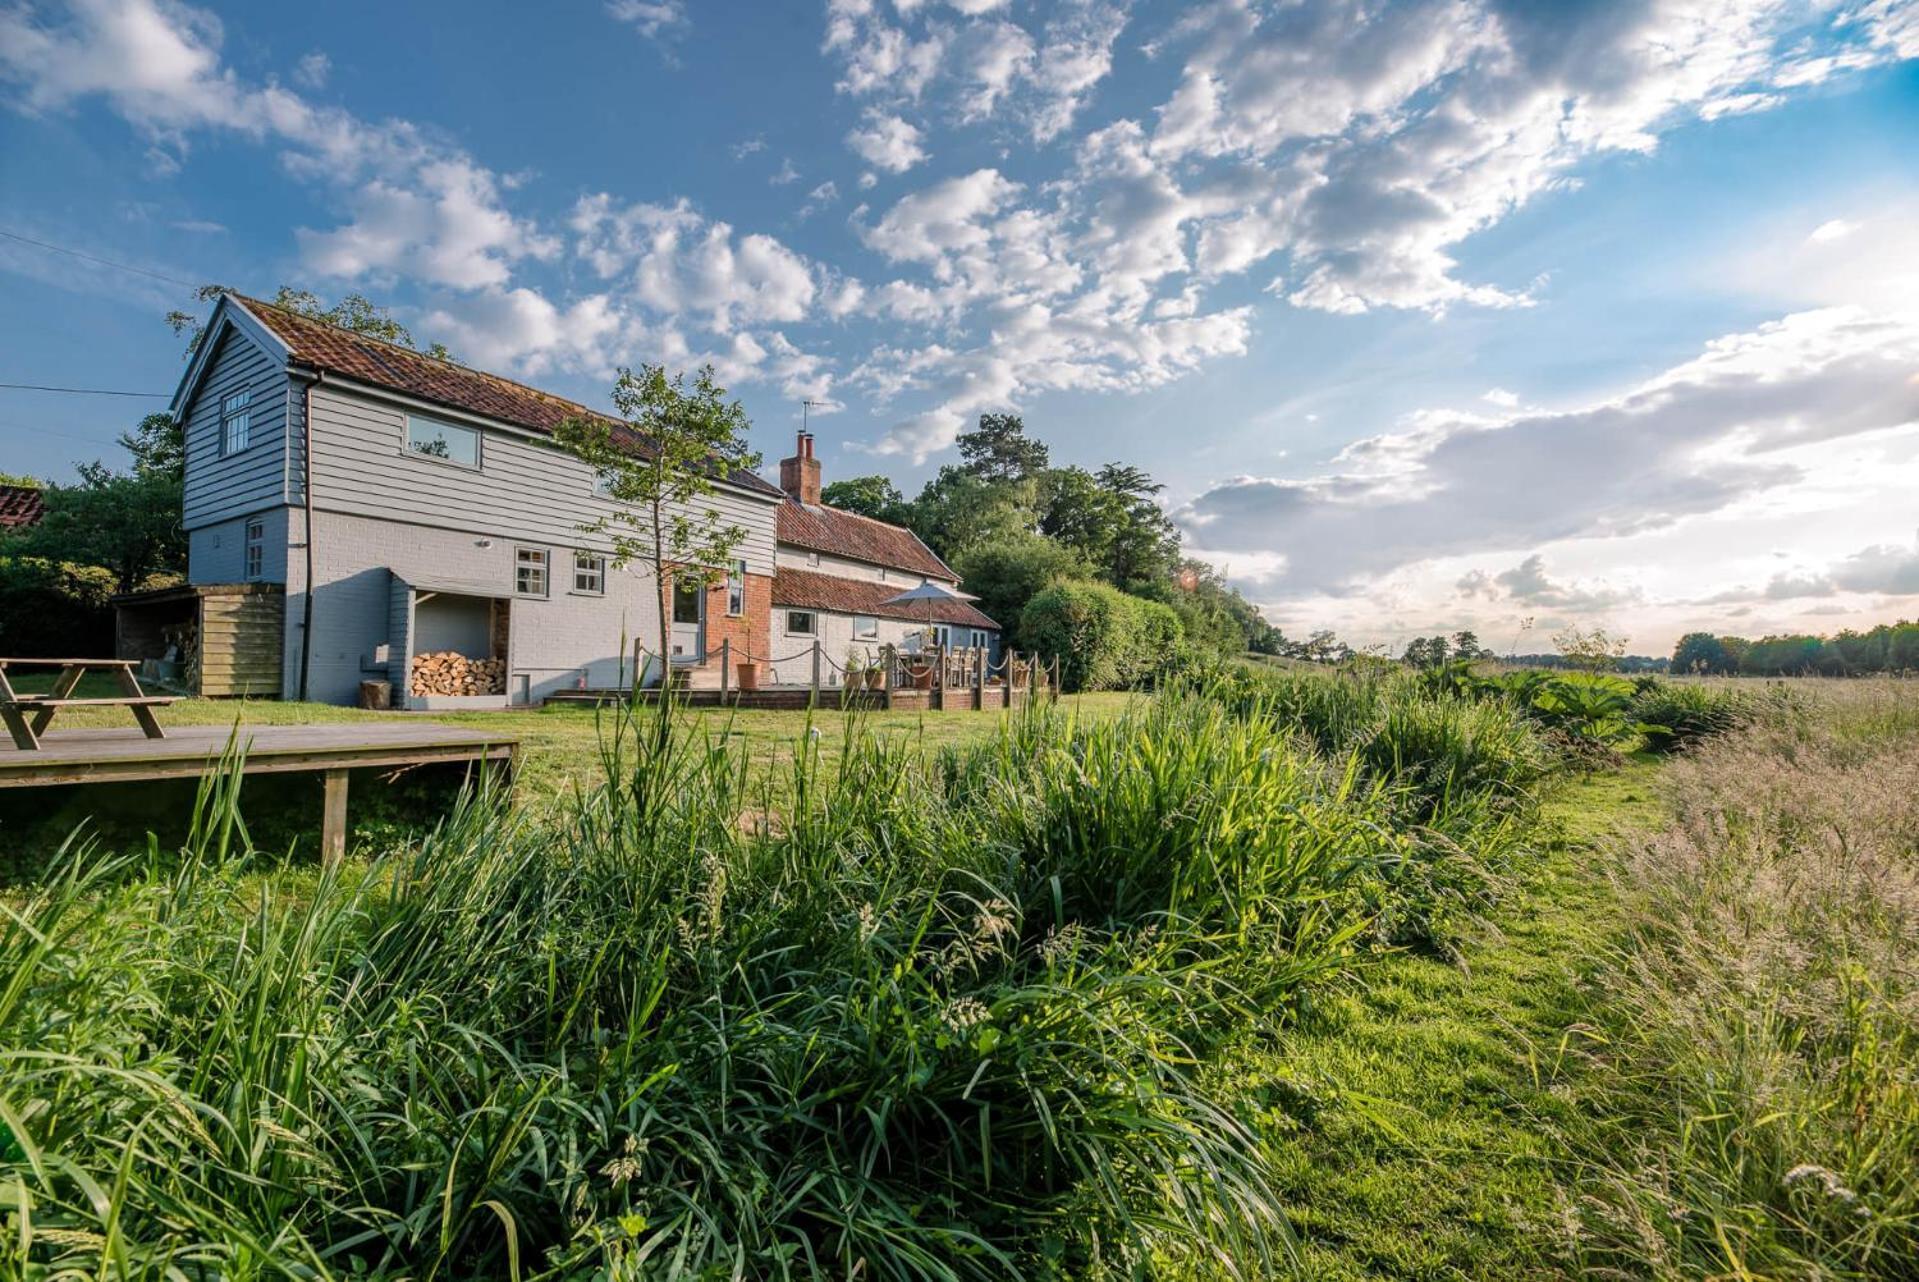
{"points": [[236, 422]]}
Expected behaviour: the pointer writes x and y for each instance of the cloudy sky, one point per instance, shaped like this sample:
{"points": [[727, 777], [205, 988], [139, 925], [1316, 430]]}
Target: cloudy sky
{"points": [[1431, 314]]}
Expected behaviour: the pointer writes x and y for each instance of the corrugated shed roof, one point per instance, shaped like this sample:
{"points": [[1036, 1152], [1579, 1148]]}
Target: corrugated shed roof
{"points": [[860, 538], [811, 590], [401, 369], [21, 506]]}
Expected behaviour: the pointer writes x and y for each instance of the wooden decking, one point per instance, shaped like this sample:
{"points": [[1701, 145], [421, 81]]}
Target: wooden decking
{"points": [[127, 756]]}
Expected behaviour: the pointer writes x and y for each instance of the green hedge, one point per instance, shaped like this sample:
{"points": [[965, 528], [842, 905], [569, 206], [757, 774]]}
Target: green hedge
{"points": [[54, 608], [1104, 639]]}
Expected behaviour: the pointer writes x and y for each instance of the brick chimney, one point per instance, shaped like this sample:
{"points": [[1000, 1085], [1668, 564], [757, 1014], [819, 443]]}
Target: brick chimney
{"points": [[800, 475]]}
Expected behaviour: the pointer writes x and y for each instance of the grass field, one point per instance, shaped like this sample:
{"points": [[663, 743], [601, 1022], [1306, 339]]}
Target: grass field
{"points": [[560, 754], [1324, 979]]}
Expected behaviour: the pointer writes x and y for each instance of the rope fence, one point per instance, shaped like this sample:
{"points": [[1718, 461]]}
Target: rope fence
{"points": [[936, 668]]}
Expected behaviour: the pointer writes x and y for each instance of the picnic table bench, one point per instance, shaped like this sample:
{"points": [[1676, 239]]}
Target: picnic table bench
{"points": [[27, 716]]}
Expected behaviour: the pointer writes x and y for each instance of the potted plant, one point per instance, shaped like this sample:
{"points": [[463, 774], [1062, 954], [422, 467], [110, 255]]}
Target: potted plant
{"points": [[855, 668], [748, 673]]}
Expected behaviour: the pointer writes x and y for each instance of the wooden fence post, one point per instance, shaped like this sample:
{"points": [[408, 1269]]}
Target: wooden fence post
{"points": [[816, 669], [979, 677], [726, 665]]}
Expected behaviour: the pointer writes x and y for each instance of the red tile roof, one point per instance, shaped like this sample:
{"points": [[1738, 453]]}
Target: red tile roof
{"points": [[401, 369], [21, 506], [860, 538], [811, 590]]}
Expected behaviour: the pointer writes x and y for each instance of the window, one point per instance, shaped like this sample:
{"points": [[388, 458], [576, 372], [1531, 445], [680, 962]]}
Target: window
{"points": [[256, 549], [812, 558], [589, 573], [736, 589], [236, 423], [800, 623], [529, 571], [865, 627], [446, 441]]}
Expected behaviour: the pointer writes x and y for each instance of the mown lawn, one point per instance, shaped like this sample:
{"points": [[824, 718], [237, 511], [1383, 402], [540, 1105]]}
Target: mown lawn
{"points": [[560, 752], [1415, 1115]]}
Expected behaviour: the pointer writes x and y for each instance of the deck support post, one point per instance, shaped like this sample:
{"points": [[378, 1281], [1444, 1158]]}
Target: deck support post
{"points": [[333, 819], [726, 666], [816, 671]]}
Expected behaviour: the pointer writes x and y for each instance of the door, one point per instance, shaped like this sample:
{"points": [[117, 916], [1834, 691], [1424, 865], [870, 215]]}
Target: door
{"points": [[688, 633]]}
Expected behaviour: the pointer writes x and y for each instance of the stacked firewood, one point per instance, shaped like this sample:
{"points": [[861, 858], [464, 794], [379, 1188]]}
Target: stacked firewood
{"points": [[449, 672]]}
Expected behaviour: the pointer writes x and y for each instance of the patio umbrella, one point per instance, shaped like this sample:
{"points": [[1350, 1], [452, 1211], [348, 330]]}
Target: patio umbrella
{"points": [[932, 594]]}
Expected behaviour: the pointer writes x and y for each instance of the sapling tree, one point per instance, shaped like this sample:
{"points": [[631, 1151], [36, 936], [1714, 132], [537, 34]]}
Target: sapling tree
{"points": [[661, 464]]}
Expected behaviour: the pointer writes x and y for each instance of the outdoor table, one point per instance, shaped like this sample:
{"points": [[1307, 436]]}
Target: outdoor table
{"points": [[27, 716]]}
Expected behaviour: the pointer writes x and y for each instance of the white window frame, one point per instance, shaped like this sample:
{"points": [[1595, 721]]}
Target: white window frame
{"points": [[236, 421], [812, 628], [812, 558], [866, 627], [532, 562], [591, 567], [736, 590], [408, 448], [254, 551]]}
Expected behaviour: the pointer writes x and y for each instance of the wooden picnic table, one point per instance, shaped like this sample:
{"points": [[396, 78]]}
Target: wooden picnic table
{"points": [[27, 716]]}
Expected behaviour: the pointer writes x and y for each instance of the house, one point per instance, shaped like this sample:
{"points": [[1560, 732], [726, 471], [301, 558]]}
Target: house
{"points": [[835, 572], [21, 506], [351, 504]]}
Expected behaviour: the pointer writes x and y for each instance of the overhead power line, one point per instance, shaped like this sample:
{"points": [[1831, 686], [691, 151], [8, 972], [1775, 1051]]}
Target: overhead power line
{"points": [[95, 258], [80, 391]]}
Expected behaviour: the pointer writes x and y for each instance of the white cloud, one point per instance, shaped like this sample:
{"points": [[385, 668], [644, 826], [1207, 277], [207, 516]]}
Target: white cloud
{"points": [[786, 175], [1700, 438], [741, 150], [1836, 229], [947, 216], [158, 63], [679, 262], [450, 229], [651, 18], [311, 71], [887, 142]]}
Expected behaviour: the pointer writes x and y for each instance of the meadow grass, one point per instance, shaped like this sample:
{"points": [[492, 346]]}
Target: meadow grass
{"points": [[1759, 1017], [892, 1015], [1302, 975]]}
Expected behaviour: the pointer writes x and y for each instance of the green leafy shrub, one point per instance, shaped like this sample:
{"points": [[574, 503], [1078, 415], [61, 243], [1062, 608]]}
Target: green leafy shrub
{"points": [[1103, 638], [1675, 716]]}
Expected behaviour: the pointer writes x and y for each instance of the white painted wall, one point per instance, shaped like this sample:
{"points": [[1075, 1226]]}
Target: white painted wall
{"points": [[553, 638]]}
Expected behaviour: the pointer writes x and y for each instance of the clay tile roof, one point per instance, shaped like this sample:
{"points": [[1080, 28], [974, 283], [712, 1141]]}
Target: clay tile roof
{"points": [[811, 590], [860, 538], [401, 369], [21, 506]]}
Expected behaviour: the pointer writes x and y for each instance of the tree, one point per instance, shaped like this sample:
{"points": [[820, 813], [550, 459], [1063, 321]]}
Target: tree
{"points": [[1000, 450], [353, 312], [874, 496], [127, 524], [1007, 573], [673, 444], [958, 510], [1590, 651], [1426, 652], [1702, 652], [22, 479], [1466, 645], [158, 446]]}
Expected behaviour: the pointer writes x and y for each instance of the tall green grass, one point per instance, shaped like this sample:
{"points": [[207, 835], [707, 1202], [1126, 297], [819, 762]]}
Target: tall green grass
{"points": [[891, 1020], [1759, 1045]]}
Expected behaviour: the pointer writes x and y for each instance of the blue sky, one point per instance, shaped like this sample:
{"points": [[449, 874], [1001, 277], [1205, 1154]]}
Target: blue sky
{"points": [[1431, 314]]}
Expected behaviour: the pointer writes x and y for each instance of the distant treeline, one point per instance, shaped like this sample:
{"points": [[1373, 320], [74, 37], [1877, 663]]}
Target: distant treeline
{"points": [[1890, 647], [1623, 663]]}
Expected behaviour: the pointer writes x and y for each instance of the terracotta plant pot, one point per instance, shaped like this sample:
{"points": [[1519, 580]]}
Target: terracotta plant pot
{"points": [[749, 675], [876, 678], [922, 676]]}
